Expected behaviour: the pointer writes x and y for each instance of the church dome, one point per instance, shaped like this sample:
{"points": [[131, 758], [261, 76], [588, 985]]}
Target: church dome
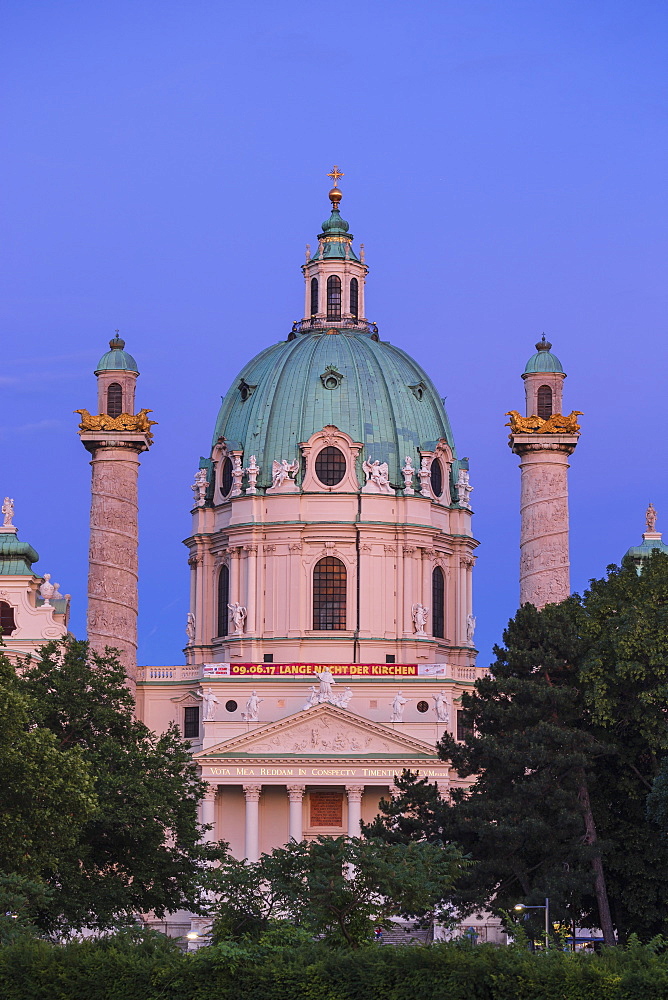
{"points": [[116, 359], [370, 389], [543, 361], [16, 558]]}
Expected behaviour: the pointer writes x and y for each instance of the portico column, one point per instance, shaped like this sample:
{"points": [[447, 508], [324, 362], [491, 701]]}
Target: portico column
{"points": [[252, 839], [296, 794], [354, 793], [209, 812]]}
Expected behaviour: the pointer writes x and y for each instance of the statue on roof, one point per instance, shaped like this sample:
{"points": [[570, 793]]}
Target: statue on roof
{"points": [[8, 512], [650, 517]]}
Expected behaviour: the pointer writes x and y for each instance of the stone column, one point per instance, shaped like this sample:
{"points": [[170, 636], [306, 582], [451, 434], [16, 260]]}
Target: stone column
{"points": [[544, 560], [354, 793], [410, 597], [296, 794], [209, 812], [252, 838], [113, 547], [251, 588]]}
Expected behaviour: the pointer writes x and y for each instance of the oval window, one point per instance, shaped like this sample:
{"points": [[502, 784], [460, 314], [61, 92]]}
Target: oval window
{"points": [[231, 706], [330, 466], [226, 477], [422, 706], [436, 478]]}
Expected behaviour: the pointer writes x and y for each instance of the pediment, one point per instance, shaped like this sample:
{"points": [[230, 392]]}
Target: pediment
{"points": [[323, 730]]}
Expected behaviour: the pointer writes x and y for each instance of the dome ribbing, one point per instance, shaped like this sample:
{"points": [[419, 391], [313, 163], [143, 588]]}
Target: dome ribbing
{"points": [[382, 398]]}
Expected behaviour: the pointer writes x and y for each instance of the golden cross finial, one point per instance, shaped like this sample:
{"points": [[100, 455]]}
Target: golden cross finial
{"points": [[335, 174]]}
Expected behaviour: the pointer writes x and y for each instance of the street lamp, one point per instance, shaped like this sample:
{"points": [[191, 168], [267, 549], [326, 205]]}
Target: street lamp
{"points": [[520, 907]]}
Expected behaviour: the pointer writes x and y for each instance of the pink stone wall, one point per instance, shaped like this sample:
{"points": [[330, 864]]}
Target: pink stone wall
{"points": [[112, 576]]}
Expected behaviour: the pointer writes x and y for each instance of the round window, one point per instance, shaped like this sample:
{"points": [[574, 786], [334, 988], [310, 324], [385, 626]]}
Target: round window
{"points": [[226, 477], [330, 466], [423, 706], [436, 477], [331, 382], [231, 706]]}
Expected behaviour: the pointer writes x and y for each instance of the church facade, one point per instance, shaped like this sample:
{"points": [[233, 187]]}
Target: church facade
{"points": [[330, 629]]}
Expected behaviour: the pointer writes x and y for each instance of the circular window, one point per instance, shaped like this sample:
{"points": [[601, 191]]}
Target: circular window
{"points": [[330, 466], [226, 477], [423, 706], [436, 477], [231, 706], [331, 382]]}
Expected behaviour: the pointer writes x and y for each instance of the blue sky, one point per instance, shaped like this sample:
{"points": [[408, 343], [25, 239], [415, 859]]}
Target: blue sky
{"points": [[165, 163]]}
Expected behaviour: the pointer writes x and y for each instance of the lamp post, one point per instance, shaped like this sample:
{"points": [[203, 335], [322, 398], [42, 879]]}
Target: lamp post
{"points": [[520, 907]]}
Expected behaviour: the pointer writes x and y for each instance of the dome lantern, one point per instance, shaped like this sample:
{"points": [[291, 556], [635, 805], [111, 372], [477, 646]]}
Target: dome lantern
{"points": [[334, 276]]}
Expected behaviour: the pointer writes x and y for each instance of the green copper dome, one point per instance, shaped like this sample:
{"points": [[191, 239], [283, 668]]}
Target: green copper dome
{"points": [[379, 396], [116, 359], [16, 558], [542, 361], [335, 224]]}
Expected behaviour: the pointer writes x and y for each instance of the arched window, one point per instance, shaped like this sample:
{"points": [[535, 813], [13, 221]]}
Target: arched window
{"points": [[114, 400], [330, 466], [544, 402], [436, 477], [223, 600], [7, 620], [354, 297], [438, 602], [226, 477], [314, 296], [333, 297], [329, 595]]}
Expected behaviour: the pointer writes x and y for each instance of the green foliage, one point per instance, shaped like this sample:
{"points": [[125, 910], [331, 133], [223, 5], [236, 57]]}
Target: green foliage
{"points": [[137, 847], [142, 966], [568, 749], [48, 793], [336, 888]]}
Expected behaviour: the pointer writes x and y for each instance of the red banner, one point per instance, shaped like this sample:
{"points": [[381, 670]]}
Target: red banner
{"points": [[337, 669]]}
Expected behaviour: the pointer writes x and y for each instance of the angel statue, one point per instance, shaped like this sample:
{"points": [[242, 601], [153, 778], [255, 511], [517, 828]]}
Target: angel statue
{"points": [[252, 712], [377, 476], [210, 702], [419, 615], [398, 706], [282, 471], [238, 617]]}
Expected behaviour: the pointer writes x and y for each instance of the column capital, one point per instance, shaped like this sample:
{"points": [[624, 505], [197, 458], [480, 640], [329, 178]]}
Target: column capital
{"points": [[210, 792], [355, 792], [252, 792], [296, 792]]}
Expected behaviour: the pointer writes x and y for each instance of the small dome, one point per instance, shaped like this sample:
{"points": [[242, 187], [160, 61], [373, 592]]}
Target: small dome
{"points": [[116, 359], [641, 553], [16, 558], [543, 360], [335, 224]]}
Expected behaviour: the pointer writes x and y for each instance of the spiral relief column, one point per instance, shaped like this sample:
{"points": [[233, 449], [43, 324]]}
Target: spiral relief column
{"points": [[544, 439], [115, 437]]}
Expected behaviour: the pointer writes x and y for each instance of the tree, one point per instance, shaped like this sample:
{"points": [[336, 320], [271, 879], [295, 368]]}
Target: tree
{"points": [[566, 737], [338, 888], [141, 850], [48, 793]]}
